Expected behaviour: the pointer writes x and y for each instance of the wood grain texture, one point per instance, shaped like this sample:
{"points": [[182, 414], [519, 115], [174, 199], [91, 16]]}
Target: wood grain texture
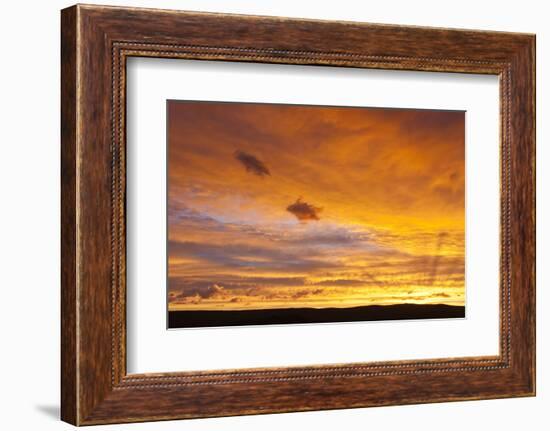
{"points": [[96, 41], [69, 397]]}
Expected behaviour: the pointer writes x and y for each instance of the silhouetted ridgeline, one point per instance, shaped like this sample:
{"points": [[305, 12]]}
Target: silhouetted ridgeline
{"points": [[197, 319]]}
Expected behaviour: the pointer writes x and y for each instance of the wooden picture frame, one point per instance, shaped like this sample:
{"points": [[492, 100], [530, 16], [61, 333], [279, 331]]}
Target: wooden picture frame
{"points": [[95, 43]]}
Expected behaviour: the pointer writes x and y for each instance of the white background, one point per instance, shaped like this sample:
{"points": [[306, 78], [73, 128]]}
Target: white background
{"points": [[29, 228], [151, 348]]}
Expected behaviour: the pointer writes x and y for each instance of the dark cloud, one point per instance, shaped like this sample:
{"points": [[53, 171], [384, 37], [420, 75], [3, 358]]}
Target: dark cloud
{"points": [[212, 290], [341, 282], [306, 292], [251, 163], [188, 219], [304, 211], [198, 292], [239, 255], [194, 285], [191, 219]]}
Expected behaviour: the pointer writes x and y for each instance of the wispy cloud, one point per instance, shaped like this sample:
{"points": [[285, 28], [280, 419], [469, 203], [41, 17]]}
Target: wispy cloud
{"points": [[304, 211], [251, 163]]}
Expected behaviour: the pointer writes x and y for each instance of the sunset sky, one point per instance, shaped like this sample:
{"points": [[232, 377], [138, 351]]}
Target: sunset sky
{"points": [[274, 206]]}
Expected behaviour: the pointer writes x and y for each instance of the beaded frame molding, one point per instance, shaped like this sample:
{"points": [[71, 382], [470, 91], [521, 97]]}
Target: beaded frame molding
{"points": [[95, 43]]}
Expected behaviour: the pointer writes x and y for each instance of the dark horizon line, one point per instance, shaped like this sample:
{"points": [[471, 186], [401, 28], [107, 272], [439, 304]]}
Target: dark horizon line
{"points": [[278, 316], [413, 304]]}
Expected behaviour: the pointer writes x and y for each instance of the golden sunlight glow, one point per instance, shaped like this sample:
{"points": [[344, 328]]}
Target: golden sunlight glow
{"points": [[278, 206]]}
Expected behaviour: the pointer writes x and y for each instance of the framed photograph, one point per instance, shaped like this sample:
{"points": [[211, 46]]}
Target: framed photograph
{"points": [[264, 227], [266, 215]]}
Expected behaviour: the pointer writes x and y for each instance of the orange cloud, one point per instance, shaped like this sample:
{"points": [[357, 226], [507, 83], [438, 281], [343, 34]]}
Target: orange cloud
{"points": [[385, 188]]}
